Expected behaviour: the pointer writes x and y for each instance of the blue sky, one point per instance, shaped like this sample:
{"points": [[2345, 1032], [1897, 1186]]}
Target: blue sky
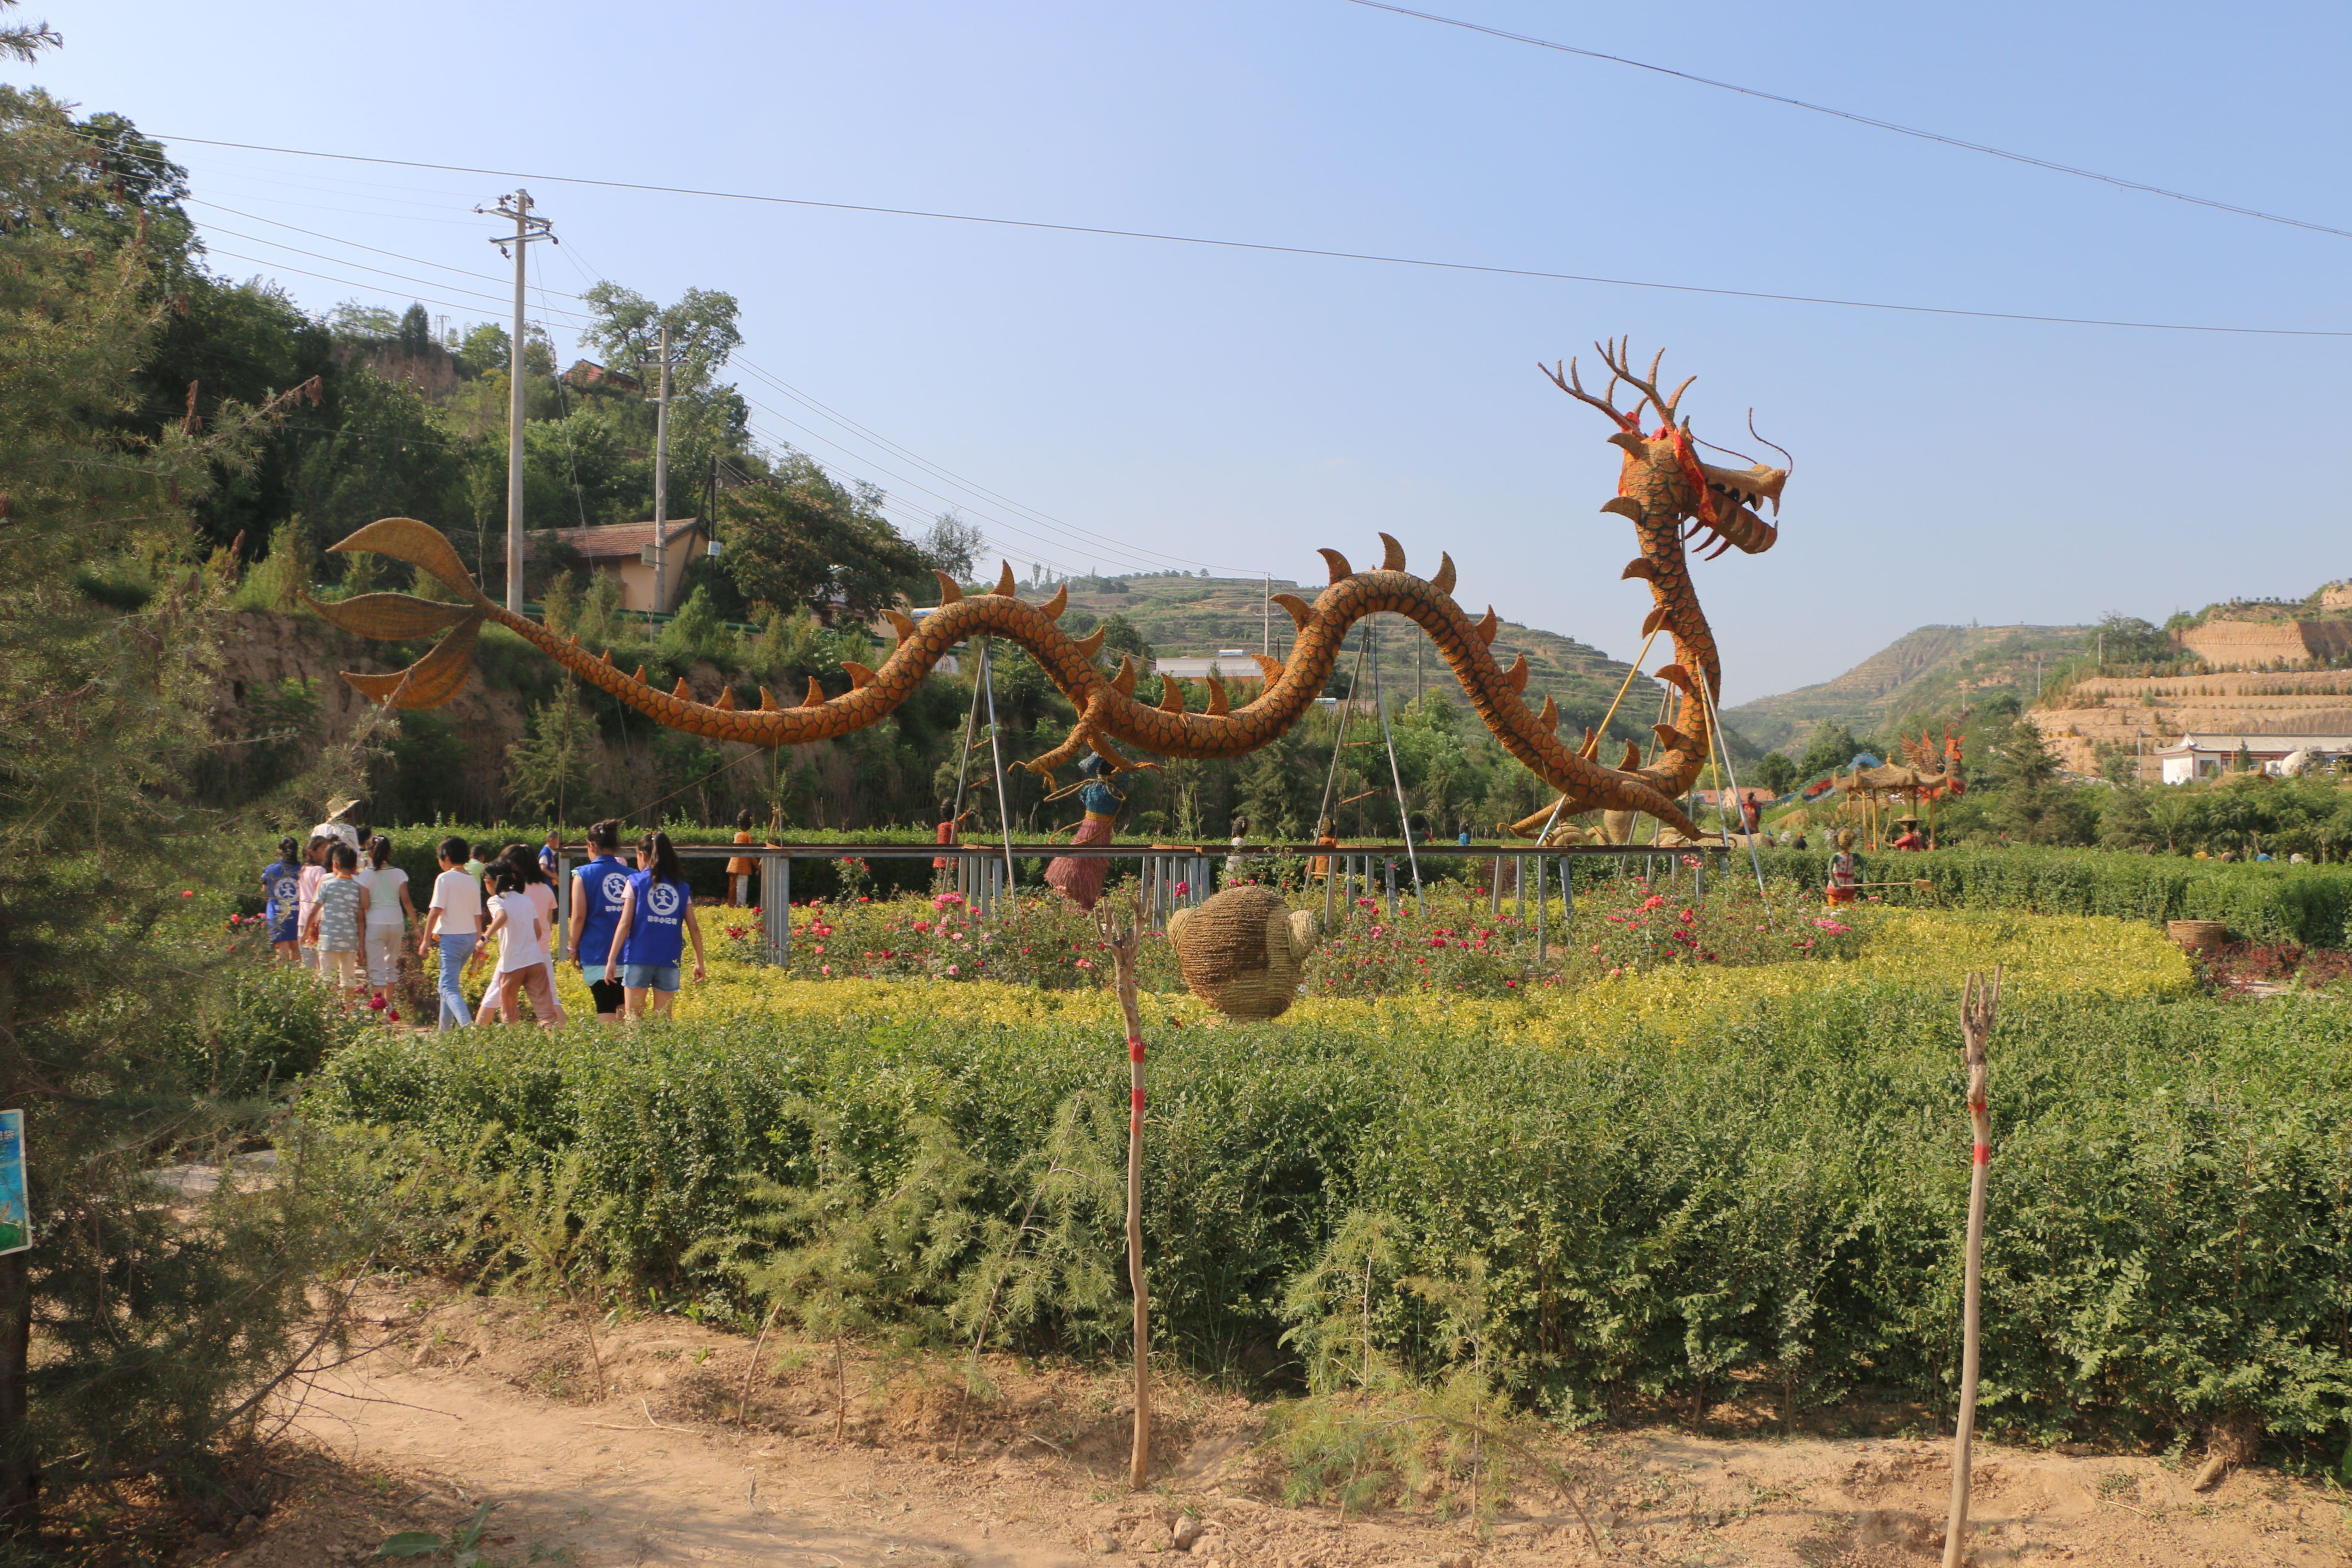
{"points": [[1238, 408]]}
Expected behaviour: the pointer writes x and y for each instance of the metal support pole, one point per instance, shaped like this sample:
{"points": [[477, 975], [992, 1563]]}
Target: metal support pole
{"points": [[563, 904], [996, 759], [1330, 890], [1392, 889], [776, 905], [1495, 891], [1542, 929]]}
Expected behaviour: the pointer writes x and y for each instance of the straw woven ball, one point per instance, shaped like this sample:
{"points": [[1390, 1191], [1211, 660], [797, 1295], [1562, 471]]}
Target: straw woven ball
{"points": [[1242, 951]]}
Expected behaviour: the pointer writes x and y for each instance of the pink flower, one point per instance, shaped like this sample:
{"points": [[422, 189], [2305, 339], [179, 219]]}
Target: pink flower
{"points": [[825, 969], [945, 900], [1653, 901], [1183, 888], [1082, 963], [1614, 973], [1514, 985], [953, 970]]}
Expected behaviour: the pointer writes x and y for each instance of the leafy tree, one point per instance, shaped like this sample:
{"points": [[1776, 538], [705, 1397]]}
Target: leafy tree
{"points": [[805, 540], [626, 335], [2127, 639], [388, 457], [953, 546], [1776, 775], [414, 333], [551, 769], [1832, 746]]}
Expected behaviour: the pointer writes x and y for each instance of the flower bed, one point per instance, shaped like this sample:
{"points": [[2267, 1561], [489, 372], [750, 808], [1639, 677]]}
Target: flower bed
{"points": [[1586, 1003]]}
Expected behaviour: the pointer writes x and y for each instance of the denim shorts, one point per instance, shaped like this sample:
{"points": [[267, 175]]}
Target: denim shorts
{"points": [[649, 976]]}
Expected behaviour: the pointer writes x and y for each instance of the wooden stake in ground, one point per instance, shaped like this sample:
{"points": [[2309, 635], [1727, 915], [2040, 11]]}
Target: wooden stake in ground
{"points": [[1977, 1007], [1120, 937]]}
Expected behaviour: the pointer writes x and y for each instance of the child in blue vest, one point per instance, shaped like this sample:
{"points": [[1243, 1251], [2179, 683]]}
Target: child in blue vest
{"points": [[281, 892], [599, 891], [649, 939]]}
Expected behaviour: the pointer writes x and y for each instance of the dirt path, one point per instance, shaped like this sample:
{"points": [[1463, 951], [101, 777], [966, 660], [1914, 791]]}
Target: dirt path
{"points": [[471, 1402]]}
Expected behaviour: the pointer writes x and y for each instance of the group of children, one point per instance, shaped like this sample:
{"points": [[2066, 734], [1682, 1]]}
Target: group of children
{"points": [[347, 920]]}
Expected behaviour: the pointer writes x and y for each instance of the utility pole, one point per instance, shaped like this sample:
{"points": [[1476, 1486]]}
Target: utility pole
{"points": [[661, 480], [526, 229], [1266, 615]]}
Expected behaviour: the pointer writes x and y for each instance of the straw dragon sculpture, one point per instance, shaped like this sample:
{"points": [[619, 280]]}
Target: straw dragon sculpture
{"points": [[1663, 489]]}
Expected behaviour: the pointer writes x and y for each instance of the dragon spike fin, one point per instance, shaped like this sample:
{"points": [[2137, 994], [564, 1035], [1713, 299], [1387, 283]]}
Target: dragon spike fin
{"points": [[1591, 744], [860, 677], [726, 703], [815, 697], [608, 658], [1633, 758], [1052, 609], [949, 589], [1638, 567], [1488, 626], [431, 680], [1299, 614], [767, 701], [1172, 694], [900, 623], [1672, 739], [574, 640], [1005, 587], [1518, 674], [419, 544], [1675, 676], [682, 691], [1443, 581], [1653, 620], [1091, 644], [1269, 668], [1392, 553], [1548, 717], [640, 676], [393, 618], [1124, 681], [1623, 506], [1339, 564], [1219, 704], [1635, 447]]}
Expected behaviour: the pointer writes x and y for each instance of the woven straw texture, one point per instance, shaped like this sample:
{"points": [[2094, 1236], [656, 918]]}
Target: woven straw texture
{"points": [[1242, 951]]}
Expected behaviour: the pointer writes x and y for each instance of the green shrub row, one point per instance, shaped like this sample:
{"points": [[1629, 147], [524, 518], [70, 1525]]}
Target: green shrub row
{"points": [[2170, 1239], [2262, 901]]}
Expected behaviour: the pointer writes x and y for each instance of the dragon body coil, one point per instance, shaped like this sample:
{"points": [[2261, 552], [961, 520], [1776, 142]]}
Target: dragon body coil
{"points": [[1662, 490]]}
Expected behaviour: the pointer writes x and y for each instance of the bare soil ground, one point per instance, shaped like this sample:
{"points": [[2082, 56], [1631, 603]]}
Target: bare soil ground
{"points": [[466, 1400]]}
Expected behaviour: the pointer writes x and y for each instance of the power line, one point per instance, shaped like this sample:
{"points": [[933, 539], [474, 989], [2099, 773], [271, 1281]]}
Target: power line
{"points": [[1211, 243], [2026, 158]]}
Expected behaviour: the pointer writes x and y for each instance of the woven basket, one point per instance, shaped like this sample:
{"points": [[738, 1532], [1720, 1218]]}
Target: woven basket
{"points": [[2197, 936], [1241, 950]]}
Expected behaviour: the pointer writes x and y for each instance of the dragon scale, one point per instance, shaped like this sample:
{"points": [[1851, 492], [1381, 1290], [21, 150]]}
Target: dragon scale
{"points": [[1660, 489]]}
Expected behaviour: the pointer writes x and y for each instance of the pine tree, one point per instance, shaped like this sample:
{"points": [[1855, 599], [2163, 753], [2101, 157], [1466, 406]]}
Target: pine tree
{"points": [[150, 1331]]}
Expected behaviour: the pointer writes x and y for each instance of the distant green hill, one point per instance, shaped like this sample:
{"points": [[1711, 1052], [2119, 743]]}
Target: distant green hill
{"points": [[1192, 617], [1931, 670]]}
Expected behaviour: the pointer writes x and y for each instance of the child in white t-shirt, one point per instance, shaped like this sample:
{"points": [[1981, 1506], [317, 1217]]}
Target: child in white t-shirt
{"points": [[523, 963]]}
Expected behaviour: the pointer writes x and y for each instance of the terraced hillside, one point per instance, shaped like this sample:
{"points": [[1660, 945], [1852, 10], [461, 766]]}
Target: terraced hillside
{"points": [[1924, 671]]}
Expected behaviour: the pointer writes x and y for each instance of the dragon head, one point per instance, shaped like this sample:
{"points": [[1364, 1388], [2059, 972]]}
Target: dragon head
{"points": [[1662, 483]]}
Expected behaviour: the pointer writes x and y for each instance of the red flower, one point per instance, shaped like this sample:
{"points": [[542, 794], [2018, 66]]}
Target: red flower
{"points": [[188, 893], [376, 1003]]}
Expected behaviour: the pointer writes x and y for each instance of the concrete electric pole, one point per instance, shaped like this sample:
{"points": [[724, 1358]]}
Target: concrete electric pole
{"points": [[528, 229], [661, 481]]}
